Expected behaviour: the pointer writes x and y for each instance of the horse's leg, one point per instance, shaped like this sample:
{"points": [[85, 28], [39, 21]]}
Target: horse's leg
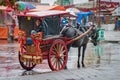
{"points": [[83, 54], [78, 62]]}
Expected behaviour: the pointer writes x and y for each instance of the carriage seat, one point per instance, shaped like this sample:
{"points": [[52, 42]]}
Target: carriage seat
{"points": [[51, 37], [30, 42]]}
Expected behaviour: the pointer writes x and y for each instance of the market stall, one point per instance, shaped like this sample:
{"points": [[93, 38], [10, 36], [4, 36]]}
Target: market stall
{"points": [[4, 19]]}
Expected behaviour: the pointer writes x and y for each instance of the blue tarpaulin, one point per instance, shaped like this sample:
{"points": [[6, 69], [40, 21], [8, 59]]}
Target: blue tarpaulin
{"points": [[83, 15]]}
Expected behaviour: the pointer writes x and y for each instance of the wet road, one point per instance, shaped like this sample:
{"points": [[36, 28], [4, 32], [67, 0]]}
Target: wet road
{"points": [[9, 64]]}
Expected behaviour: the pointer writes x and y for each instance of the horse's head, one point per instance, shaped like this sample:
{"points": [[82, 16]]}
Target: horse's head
{"points": [[93, 33], [94, 36]]}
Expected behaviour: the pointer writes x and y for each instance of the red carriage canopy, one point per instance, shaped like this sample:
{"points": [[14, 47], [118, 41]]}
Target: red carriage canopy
{"points": [[44, 13]]}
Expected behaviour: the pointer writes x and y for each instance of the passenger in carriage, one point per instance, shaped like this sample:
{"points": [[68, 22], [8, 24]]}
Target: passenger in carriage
{"points": [[39, 27]]}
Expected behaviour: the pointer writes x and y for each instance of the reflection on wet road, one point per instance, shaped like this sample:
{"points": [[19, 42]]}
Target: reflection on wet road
{"points": [[105, 53]]}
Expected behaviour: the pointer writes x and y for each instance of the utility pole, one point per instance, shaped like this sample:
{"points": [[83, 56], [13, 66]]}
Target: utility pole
{"points": [[98, 13]]}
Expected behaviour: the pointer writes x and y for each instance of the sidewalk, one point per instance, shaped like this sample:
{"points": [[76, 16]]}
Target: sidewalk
{"points": [[112, 36]]}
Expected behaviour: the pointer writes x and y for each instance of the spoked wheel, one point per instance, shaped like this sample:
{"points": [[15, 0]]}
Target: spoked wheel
{"points": [[58, 55], [27, 64]]}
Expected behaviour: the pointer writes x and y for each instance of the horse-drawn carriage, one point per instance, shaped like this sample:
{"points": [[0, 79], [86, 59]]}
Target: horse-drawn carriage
{"points": [[34, 48]]}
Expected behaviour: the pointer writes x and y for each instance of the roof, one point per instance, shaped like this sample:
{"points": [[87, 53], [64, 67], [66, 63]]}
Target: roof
{"points": [[47, 7], [5, 8], [85, 13], [59, 8], [104, 6], [116, 12], [44, 13], [41, 8]]}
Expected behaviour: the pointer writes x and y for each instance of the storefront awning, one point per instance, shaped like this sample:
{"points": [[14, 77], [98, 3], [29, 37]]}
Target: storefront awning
{"points": [[5, 8]]}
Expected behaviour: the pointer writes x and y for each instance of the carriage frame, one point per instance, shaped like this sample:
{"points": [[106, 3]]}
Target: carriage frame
{"points": [[52, 47]]}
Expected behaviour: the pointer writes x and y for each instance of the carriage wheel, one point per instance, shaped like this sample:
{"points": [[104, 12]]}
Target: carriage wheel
{"points": [[58, 55], [27, 65]]}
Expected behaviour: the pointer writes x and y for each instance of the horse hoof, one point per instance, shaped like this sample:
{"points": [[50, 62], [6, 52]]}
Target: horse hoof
{"points": [[83, 65], [78, 66]]}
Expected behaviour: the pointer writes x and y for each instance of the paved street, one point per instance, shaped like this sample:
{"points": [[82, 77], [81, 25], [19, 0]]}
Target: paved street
{"points": [[102, 62], [106, 68]]}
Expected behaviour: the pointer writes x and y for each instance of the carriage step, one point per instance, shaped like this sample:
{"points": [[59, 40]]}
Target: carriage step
{"points": [[33, 59]]}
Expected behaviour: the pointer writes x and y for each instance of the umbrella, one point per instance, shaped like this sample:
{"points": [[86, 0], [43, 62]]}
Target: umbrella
{"points": [[73, 11], [24, 5]]}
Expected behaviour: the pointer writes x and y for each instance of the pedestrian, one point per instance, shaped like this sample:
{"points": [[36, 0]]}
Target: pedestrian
{"points": [[116, 24], [11, 31]]}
